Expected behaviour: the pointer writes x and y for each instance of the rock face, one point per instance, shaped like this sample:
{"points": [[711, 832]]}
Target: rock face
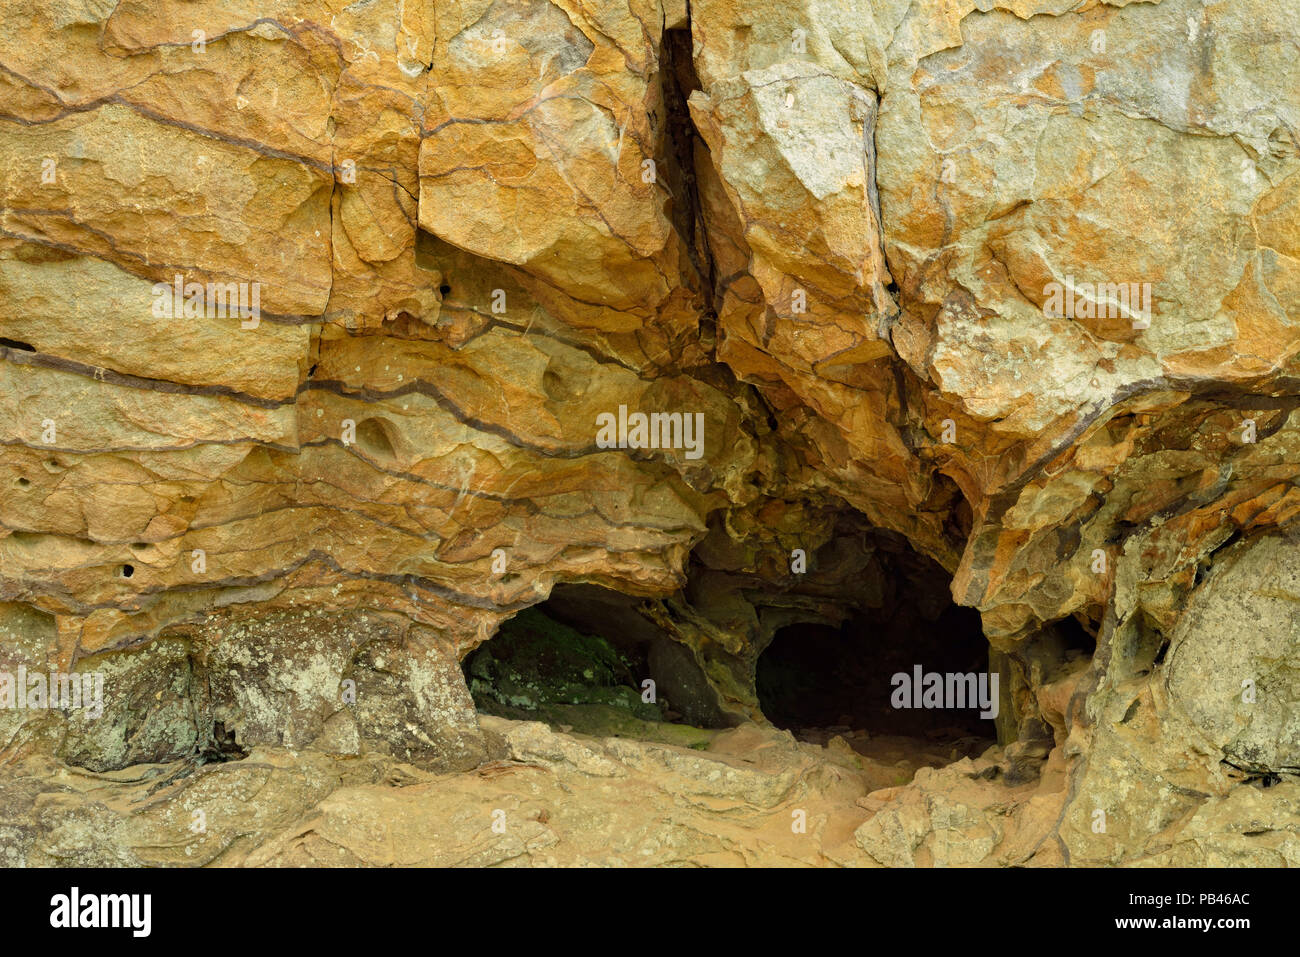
{"points": [[333, 336]]}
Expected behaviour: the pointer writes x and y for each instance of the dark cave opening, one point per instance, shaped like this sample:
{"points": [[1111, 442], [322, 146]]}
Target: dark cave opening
{"points": [[586, 660], [911, 664], [870, 648]]}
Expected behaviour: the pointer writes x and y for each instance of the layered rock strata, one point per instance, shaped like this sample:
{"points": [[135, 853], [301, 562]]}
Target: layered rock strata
{"points": [[310, 312]]}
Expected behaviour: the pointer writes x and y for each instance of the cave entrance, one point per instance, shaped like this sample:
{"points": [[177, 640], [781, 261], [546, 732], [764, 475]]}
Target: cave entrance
{"points": [[587, 660], [819, 680]]}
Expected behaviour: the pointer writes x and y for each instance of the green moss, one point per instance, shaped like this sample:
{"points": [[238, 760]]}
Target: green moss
{"points": [[535, 663]]}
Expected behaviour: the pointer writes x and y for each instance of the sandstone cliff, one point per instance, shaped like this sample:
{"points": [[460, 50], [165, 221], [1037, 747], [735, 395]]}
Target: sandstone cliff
{"points": [[310, 313]]}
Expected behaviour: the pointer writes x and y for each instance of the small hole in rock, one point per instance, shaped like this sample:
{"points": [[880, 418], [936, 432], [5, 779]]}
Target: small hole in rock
{"points": [[1079, 641], [221, 746], [445, 290], [24, 483], [1161, 652], [128, 571]]}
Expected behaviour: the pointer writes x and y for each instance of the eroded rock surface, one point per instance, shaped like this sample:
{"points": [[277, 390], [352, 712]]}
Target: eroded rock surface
{"points": [[1002, 296]]}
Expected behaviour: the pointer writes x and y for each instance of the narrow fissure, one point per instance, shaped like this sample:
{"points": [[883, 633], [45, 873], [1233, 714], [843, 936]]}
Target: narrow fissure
{"points": [[679, 82]]}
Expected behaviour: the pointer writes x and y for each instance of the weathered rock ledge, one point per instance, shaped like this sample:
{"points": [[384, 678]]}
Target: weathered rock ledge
{"points": [[989, 312]]}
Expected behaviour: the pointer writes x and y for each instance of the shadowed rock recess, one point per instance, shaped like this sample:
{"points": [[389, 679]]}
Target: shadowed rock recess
{"points": [[541, 432]]}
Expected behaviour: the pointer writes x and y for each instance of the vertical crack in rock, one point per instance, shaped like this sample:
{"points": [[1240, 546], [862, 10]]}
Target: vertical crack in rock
{"points": [[892, 289], [679, 82]]}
